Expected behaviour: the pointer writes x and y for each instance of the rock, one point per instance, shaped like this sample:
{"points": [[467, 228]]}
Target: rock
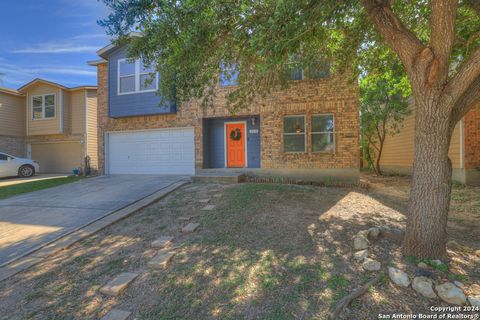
{"points": [[371, 265], [477, 253], [450, 293], [437, 262], [424, 286], [161, 260], [360, 242], [423, 273], [422, 265], [474, 301], [162, 242], [459, 284], [191, 227], [208, 207], [116, 314], [399, 277], [361, 255], [373, 232], [392, 233], [118, 284]]}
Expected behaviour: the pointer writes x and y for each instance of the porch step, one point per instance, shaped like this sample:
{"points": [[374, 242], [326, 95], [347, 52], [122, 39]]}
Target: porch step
{"points": [[221, 178]]}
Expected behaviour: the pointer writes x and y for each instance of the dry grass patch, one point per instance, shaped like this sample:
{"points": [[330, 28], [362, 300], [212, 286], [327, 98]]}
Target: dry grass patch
{"points": [[265, 252]]}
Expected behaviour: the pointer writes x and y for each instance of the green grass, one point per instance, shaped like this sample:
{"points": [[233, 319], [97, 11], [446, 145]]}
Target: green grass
{"points": [[21, 188]]}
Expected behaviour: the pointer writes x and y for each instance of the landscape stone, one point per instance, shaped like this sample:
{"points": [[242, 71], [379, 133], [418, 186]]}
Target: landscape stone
{"points": [[437, 262], [459, 284], [474, 301], [208, 207], [191, 227], [204, 200], [371, 265], [184, 218], [373, 232], [450, 293], [423, 265], [361, 255], [218, 195], [360, 242], [399, 277], [424, 286], [161, 260], [116, 314], [118, 284], [477, 253], [162, 242]]}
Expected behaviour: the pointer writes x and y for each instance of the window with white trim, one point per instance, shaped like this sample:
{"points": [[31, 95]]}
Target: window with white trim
{"points": [[136, 77], [294, 133], [43, 107], [323, 133]]}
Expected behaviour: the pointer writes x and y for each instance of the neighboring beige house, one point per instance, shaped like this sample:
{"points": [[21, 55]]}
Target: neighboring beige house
{"points": [[397, 156], [52, 124]]}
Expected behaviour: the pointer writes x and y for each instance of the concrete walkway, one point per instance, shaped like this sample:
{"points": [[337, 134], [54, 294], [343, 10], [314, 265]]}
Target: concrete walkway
{"points": [[29, 221]]}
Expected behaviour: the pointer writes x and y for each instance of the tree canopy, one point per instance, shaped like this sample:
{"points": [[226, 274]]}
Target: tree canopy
{"points": [[436, 41]]}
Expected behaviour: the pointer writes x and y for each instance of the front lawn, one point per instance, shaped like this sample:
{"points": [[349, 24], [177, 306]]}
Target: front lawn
{"points": [[14, 190], [265, 251]]}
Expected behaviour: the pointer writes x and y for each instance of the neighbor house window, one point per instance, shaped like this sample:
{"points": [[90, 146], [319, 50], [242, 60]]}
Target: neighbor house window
{"points": [[296, 74], [319, 70], [135, 77], [323, 133], [228, 75], [294, 133], [43, 107]]}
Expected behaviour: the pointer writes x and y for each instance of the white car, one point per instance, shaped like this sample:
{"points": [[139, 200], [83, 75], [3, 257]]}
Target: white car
{"points": [[11, 166]]}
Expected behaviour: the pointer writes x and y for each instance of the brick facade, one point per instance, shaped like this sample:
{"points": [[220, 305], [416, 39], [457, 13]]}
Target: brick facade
{"points": [[330, 95], [13, 145], [472, 138]]}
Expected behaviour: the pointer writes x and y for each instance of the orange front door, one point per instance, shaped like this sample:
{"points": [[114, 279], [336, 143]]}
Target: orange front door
{"points": [[235, 145]]}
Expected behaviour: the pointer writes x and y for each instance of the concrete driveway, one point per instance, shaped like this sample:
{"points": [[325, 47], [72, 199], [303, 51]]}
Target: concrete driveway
{"points": [[31, 220]]}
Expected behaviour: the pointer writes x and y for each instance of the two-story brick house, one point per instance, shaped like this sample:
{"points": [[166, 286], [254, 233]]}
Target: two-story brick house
{"points": [[309, 130], [50, 123]]}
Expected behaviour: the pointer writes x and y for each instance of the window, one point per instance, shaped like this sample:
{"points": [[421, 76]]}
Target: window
{"points": [[294, 133], [135, 77], [319, 70], [323, 133], [296, 74], [3, 157], [43, 107], [228, 75]]}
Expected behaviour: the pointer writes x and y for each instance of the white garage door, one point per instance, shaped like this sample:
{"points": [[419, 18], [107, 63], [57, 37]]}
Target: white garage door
{"points": [[165, 151]]}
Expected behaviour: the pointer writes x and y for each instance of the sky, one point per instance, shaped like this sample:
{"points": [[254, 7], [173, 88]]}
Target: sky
{"points": [[50, 39]]}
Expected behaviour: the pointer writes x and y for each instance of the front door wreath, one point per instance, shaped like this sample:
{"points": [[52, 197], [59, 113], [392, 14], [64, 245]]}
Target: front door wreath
{"points": [[236, 134]]}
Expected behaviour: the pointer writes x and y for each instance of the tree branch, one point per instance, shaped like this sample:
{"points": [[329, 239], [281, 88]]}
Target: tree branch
{"points": [[469, 99], [403, 41], [442, 39], [460, 83]]}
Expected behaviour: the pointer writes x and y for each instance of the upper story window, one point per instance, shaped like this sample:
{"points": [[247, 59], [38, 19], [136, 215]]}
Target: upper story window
{"points": [[294, 133], [323, 133], [43, 107], [135, 77], [228, 76]]}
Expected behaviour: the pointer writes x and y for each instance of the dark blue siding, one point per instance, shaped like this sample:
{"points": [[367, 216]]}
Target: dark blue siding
{"points": [[135, 104], [214, 142]]}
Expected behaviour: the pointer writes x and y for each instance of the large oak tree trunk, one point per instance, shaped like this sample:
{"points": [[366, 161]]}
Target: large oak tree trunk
{"points": [[426, 232]]}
